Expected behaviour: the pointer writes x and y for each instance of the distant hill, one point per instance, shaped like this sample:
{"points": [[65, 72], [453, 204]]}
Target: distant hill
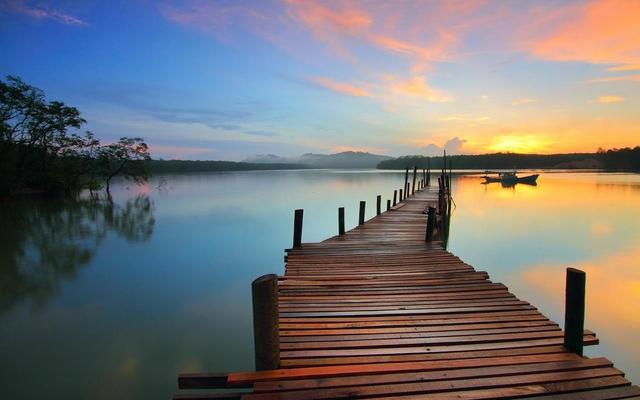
{"points": [[347, 159]]}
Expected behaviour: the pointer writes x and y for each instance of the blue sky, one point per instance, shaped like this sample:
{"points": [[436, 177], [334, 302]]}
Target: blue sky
{"points": [[228, 79]]}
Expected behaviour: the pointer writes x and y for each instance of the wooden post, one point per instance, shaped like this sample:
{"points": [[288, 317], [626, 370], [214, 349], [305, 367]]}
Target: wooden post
{"points": [[395, 196], [264, 293], [431, 223], [297, 228], [406, 190], [340, 220], [413, 187], [406, 182], [574, 310], [401, 195], [429, 171], [388, 204], [361, 216], [378, 204]]}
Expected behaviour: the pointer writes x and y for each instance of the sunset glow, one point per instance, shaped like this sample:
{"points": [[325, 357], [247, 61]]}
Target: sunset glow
{"points": [[225, 80]]}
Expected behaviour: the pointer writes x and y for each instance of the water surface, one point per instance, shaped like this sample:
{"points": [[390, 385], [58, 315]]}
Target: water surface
{"points": [[112, 300]]}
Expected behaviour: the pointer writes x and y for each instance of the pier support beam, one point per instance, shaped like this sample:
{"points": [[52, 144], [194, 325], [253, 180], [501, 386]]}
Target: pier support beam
{"points": [[413, 186], [361, 213], [297, 228], [406, 182], [431, 223], [395, 197], [401, 195], [378, 205], [388, 204], [574, 311], [341, 221], [264, 291]]}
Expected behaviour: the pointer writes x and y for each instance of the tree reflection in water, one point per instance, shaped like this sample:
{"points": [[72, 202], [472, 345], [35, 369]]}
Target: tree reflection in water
{"points": [[45, 241]]}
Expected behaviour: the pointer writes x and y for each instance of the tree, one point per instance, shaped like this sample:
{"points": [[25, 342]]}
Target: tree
{"points": [[33, 135], [127, 158], [40, 147]]}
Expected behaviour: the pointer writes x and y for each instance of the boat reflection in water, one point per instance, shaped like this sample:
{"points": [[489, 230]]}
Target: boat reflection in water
{"points": [[510, 178]]}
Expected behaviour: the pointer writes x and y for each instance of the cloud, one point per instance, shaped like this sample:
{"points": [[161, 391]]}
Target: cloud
{"points": [[599, 32], [609, 99], [520, 102], [42, 13], [633, 78], [339, 87], [625, 67], [452, 146], [418, 87]]}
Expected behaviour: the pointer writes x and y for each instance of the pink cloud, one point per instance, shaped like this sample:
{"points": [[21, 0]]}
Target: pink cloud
{"points": [[633, 78], [599, 32], [339, 87]]}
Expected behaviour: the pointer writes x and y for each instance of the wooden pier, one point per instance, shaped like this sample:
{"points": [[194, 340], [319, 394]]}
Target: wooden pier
{"points": [[383, 311]]}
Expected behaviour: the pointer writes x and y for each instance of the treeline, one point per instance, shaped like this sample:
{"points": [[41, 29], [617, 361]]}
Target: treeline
{"points": [[180, 166], [620, 159], [41, 148]]}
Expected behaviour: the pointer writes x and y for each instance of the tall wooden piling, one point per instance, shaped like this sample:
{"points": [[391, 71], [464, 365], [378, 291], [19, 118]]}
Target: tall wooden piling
{"points": [[431, 223], [429, 171], [406, 182], [388, 204], [378, 205], [395, 197], [401, 195], [413, 186], [297, 228], [264, 293], [341, 221], [574, 311], [361, 214]]}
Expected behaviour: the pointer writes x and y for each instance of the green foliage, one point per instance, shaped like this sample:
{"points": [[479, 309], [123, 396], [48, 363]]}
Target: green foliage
{"points": [[38, 151], [127, 157], [628, 159]]}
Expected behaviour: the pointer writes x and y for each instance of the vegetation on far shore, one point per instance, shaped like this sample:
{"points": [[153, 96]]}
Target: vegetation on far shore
{"points": [[180, 166], [42, 150], [614, 159]]}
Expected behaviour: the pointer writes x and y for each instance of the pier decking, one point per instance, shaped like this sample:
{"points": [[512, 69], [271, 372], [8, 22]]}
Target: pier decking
{"points": [[380, 312]]}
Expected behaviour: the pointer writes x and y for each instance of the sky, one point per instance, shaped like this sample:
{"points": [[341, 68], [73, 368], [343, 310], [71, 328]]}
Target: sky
{"points": [[225, 80]]}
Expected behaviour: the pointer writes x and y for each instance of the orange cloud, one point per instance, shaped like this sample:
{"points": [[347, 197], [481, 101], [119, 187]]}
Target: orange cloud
{"points": [[339, 87], [418, 87], [601, 32], [609, 99], [633, 78], [627, 67]]}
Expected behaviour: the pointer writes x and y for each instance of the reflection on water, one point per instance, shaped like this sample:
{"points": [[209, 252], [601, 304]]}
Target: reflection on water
{"points": [[128, 294], [526, 236], [44, 241]]}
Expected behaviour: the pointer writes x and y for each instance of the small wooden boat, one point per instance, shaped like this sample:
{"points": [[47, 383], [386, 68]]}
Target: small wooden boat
{"points": [[510, 178]]}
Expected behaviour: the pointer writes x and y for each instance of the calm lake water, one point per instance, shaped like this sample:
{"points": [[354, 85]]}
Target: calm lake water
{"points": [[112, 301]]}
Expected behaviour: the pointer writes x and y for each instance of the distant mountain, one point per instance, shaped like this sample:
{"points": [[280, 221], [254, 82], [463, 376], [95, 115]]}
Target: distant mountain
{"points": [[347, 159]]}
